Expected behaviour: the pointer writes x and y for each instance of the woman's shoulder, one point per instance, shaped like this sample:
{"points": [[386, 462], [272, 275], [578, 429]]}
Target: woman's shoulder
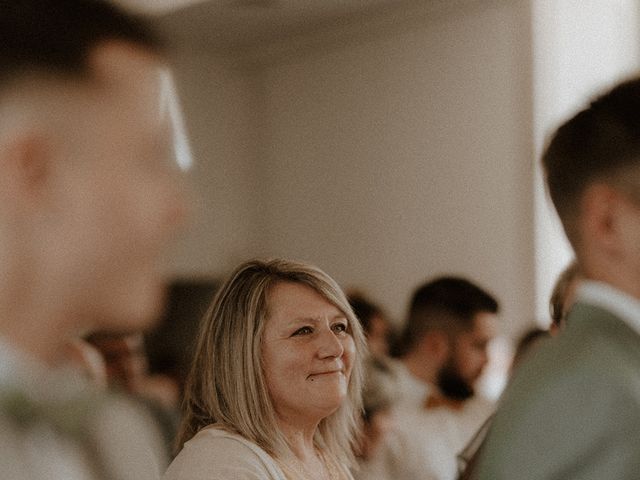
{"points": [[226, 442], [217, 454]]}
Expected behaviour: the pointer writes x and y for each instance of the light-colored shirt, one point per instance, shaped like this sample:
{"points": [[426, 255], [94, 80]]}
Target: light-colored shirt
{"points": [[426, 442], [54, 425], [412, 392], [429, 441], [215, 454]]}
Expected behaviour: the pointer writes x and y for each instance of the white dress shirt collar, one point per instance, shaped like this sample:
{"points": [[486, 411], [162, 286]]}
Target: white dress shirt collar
{"points": [[413, 391], [605, 296]]}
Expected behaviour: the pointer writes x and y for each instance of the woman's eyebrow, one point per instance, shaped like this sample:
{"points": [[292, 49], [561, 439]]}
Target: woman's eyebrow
{"points": [[303, 319]]}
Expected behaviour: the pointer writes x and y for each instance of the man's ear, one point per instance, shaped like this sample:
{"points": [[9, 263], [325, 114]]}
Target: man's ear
{"points": [[600, 206], [25, 164], [437, 343]]}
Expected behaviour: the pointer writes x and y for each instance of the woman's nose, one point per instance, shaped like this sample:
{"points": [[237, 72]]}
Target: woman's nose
{"points": [[329, 345]]}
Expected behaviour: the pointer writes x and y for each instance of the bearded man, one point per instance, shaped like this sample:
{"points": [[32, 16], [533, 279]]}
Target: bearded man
{"points": [[442, 352]]}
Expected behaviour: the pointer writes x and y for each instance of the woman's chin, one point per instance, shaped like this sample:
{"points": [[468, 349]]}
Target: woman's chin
{"points": [[330, 402]]}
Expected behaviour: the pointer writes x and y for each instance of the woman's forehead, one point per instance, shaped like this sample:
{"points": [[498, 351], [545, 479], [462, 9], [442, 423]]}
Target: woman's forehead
{"points": [[297, 299]]}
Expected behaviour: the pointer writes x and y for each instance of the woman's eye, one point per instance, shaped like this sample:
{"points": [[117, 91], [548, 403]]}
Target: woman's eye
{"points": [[303, 331], [340, 327]]}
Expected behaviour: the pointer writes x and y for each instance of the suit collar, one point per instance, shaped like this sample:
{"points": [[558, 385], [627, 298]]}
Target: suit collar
{"points": [[602, 295]]}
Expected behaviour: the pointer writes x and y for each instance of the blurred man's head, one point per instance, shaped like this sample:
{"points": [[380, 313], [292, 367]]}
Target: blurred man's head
{"points": [[450, 325], [468, 357], [592, 167], [89, 191]]}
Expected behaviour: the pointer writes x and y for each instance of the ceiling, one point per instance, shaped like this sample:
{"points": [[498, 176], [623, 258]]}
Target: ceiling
{"points": [[156, 7], [243, 23]]}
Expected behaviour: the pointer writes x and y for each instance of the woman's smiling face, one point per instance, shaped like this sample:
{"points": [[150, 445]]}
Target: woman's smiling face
{"points": [[307, 353]]}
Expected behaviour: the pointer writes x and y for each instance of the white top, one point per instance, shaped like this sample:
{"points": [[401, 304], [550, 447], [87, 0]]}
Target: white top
{"points": [[605, 296], [44, 448], [412, 392], [215, 454], [426, 442]]}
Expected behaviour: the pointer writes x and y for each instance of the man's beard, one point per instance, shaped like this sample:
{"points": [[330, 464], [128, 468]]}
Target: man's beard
{"points": [[452, 385]]}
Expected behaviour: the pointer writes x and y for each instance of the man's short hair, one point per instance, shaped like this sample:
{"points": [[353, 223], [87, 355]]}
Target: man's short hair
{"points": [[600, 143], [57, 36], [445, 303]]}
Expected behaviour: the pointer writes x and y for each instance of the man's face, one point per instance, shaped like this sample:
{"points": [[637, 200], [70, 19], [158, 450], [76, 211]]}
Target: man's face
{"points": [[467, 358], [627, 250], [608, 239], [118, 197]]}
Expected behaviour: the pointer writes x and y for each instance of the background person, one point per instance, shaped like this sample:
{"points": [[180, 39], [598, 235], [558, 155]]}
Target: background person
{"points": [[561, 300], [275, 387], [442, 350], [127, 370], [379, 399], [469, 457]]}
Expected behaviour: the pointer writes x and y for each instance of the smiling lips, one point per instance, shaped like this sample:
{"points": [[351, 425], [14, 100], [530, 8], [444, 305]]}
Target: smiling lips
{"points": [[325, 373]]}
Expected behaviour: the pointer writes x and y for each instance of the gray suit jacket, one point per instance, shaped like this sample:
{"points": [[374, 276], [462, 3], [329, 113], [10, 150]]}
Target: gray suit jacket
{"points": [[572, 411]]}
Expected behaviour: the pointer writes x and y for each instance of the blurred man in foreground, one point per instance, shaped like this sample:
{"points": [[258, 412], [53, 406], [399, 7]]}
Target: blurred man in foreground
{"points": [[88, 200]]}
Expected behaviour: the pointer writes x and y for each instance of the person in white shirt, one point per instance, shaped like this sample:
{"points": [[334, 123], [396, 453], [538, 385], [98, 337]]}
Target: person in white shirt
{"points": [[442, 351], [274, 392], [572, 410], [89, 199], [379, 397]]}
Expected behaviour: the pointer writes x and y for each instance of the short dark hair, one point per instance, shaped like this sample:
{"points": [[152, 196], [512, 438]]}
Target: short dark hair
{"points": [[364, 309], [445, 302], [57, 36], [596, 144]]}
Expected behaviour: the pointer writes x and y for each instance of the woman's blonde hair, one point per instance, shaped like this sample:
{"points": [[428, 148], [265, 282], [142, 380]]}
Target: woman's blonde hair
{"points": [[226, 385]]}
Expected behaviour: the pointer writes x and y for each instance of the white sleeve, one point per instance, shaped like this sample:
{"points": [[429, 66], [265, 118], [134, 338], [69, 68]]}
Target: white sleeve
{"points": [[217, 458], [130, 441]]}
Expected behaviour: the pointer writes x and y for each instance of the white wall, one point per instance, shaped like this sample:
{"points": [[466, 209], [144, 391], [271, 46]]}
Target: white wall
{"points": [[404, 152], [399, 157], [581, 47], [218, 100]]}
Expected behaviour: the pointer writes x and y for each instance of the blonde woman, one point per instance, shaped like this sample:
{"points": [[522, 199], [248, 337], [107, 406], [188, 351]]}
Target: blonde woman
{"points": [[275, 388]]}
